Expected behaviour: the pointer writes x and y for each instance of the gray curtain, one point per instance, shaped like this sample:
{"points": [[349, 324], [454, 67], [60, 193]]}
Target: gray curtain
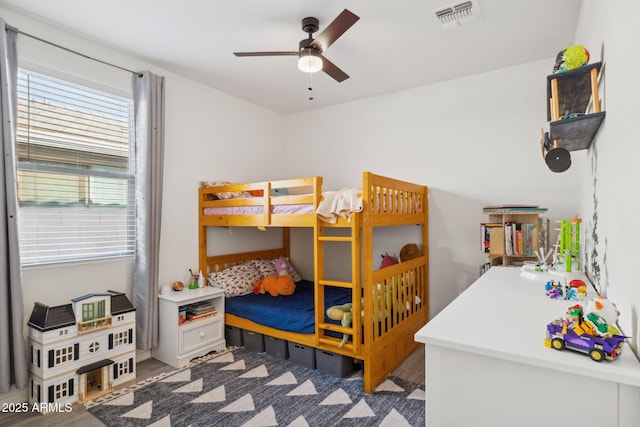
{"points": [[13, 358], [148, 93]]}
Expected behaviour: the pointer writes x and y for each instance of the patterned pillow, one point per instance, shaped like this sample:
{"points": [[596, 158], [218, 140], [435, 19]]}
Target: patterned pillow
{"points": [[264, 266], [226, 194], [235, 281]]}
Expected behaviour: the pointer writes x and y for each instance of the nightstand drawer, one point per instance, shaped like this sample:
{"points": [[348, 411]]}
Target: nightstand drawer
{"points": [[199, 333]]}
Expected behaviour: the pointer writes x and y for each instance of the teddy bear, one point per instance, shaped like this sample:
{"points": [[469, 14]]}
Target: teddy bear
{"points": [[279, 282], [275, 285]]}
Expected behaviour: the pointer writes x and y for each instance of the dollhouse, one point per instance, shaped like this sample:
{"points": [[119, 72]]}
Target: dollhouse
{"points": [[81, 350]]}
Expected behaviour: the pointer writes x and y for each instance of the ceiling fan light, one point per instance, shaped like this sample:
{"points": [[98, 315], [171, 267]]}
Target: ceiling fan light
{"points": [[309, 61]]}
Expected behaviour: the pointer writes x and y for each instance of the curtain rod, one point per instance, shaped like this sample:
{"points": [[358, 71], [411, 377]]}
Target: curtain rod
{"points": [[71, 50]]}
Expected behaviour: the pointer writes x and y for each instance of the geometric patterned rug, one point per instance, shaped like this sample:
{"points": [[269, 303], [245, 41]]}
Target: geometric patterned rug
{"points": [[244, 388]]}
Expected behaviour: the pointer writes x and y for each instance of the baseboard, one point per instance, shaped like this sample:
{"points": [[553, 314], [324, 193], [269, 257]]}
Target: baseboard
{"points": [[143, 355]]}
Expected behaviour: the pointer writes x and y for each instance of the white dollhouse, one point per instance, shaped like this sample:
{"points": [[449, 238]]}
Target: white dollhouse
{"points": [[81, 350]]}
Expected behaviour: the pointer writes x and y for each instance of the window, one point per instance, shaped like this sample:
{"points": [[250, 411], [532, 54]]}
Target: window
{"points": [[61, 390], [124, 367], [120, 338], [76, 183], [64, 354]]}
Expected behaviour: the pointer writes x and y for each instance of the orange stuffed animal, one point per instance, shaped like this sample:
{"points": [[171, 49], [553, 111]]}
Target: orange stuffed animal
{"points": [[275, 285]]}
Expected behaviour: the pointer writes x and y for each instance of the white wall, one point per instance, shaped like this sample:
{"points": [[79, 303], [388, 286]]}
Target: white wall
{"points": [[610, 202], [474, 141]]}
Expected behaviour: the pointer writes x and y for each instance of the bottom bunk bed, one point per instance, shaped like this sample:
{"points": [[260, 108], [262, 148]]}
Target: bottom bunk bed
{"points": [[400, 304]]}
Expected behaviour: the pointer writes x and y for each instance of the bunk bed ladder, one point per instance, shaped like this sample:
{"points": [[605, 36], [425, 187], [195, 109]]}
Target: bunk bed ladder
{"points": [[323, 236]]}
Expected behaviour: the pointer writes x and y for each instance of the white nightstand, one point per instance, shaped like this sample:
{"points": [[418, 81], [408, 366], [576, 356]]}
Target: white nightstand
{"points": [[179, 343]]}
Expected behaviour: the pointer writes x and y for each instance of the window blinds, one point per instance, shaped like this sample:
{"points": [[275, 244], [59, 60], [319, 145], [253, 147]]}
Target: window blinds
{"points": [[75, 171]]}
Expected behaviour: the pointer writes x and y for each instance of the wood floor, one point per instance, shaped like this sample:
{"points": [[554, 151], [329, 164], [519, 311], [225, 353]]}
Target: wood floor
{"points": [[411, 369]]}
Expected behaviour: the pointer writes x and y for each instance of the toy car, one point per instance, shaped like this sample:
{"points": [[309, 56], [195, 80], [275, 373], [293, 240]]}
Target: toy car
{"points": [[561, 335]]}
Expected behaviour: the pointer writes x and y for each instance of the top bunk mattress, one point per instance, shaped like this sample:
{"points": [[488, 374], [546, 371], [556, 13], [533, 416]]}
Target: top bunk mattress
{"points": [[259, 209], [293, 313]]}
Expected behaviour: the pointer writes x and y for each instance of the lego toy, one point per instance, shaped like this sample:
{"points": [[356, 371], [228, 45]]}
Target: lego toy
{"points": [[593, 333]]}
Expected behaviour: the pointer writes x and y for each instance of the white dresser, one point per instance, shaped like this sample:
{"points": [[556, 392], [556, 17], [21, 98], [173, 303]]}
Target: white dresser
{"points": [[178, 343], [486, 363]]}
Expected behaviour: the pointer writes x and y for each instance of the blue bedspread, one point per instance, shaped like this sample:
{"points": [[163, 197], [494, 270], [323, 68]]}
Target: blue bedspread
{"points": [[293, 313]]}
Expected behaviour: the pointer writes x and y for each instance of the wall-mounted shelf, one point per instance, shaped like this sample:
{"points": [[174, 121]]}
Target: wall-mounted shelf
{"points": [[571, 128], [576, 133]]}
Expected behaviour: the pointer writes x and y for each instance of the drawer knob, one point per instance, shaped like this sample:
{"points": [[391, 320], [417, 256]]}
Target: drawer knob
{"points": [[202, 334]]}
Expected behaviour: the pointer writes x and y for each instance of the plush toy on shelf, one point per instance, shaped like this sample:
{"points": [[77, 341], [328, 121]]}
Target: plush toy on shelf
{"points": [[571, 58]]}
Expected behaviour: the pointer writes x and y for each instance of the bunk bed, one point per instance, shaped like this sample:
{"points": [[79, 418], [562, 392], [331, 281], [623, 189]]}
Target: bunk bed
{"points": [[393, 301]]}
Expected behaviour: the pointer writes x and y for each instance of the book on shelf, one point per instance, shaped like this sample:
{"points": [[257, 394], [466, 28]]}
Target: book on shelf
{"points": [[510, 238], [485, 234], [202, 316]]}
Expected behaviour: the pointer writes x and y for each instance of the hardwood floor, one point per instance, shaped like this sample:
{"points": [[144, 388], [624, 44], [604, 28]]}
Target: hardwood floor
{"points": [[411, 369]]}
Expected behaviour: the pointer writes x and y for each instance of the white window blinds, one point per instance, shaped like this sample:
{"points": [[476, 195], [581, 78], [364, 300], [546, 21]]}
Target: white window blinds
{"points": [[75, 172]]}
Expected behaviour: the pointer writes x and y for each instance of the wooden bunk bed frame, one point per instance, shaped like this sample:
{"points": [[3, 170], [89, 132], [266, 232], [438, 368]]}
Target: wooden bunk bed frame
{"points": [[394, 300]]}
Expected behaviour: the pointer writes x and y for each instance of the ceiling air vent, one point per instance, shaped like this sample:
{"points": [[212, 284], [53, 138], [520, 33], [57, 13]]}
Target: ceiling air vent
{"points": [[457, 14]]}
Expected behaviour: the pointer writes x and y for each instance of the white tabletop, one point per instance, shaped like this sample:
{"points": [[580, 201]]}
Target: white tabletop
{"points": [[504, 315]]}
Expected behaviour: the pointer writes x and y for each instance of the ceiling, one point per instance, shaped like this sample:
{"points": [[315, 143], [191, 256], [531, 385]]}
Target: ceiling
{"points": [[394, 46]]}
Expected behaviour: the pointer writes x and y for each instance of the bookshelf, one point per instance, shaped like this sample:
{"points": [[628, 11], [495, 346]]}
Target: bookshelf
{"points": [[513, 234]]}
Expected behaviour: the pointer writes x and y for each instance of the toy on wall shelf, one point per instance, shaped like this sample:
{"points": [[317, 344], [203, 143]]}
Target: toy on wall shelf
{"points": [[591, 331], [571, 58]]}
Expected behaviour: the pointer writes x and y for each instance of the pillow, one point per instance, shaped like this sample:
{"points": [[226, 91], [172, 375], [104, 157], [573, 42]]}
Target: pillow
{"points": [[279, 192], [235, 281], [266, 267], [225, 194]]}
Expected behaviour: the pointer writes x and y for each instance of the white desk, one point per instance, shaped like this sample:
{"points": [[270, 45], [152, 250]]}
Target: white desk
{"points": [[486, 364]]}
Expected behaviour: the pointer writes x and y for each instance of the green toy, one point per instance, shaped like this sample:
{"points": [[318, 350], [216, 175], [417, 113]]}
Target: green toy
{"points": [[344, 313]]}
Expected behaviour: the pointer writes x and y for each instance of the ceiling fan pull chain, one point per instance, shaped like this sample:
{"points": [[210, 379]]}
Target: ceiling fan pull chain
{"points": [[310, 88]]}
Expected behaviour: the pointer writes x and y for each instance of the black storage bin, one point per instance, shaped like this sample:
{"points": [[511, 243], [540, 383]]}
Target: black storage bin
{"points": [[233, 336], [276, 347], [302, 355], [253, 341], [334, 364]]}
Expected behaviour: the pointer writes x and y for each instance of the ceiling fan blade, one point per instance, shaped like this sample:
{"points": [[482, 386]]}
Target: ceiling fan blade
{"points": [[331, 69], [289, 53], [342, 23]]}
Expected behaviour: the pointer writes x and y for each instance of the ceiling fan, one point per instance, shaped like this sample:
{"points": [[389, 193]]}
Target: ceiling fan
{"points": [[309, 53]]}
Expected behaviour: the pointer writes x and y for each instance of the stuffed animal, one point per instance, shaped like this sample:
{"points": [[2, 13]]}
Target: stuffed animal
{"points": [[281, 267], [570, 58], [388, 260], [409, 251], [344, 315], [275, 285]]}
